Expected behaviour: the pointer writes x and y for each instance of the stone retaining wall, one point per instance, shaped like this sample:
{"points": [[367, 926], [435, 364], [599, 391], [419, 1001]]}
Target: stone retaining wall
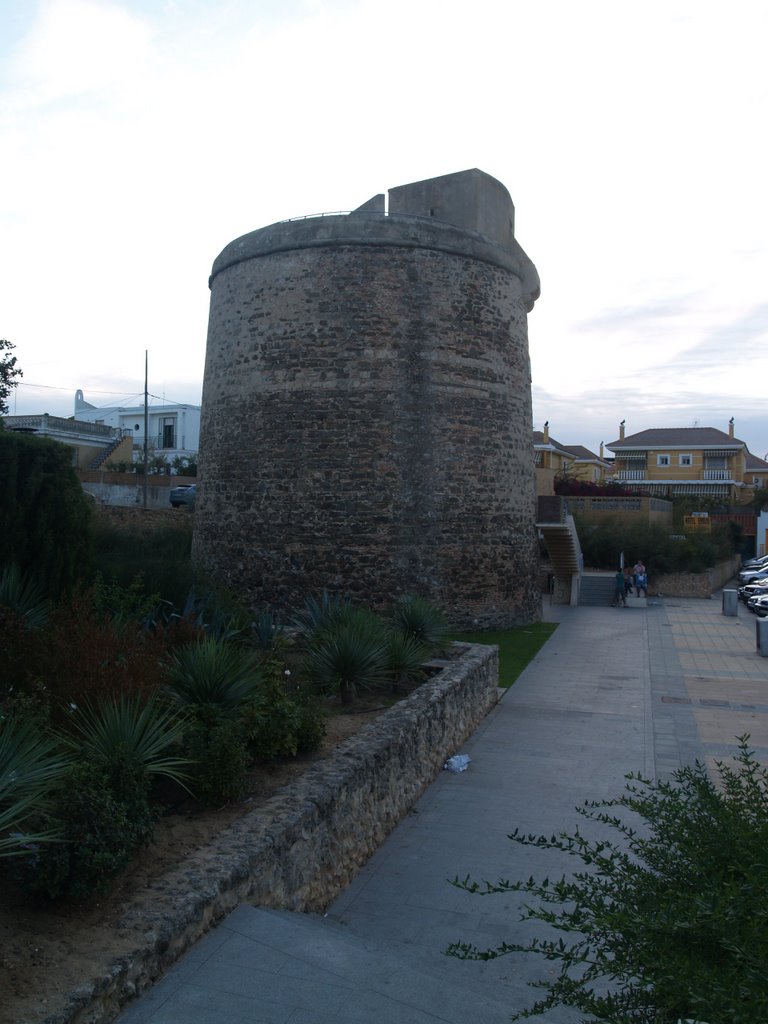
{"points": [[694, 584], [302, 848]]}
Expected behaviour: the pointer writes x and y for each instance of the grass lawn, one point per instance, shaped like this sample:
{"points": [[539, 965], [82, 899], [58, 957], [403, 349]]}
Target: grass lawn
{"points": [[517, 646]]}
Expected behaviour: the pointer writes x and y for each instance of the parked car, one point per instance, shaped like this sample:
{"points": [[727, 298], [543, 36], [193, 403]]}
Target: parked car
{"points": [[755, 563], [748, 575], [759, 605], [752, 590], [184, 495]]}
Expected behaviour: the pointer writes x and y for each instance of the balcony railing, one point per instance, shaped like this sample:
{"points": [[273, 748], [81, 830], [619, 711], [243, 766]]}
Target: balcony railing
{"points": [[717, 474], [631, 474], [49, 424]]}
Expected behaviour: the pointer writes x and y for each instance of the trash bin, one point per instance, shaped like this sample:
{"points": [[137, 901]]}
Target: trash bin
{"points": [[731, 602], [761, 629]]}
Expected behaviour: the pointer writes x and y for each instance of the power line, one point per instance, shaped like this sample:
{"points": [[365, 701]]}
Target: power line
{"points": [[53, 387], [170, 401]]}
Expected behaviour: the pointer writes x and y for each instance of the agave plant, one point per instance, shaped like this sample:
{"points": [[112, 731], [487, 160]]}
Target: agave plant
{"points": [[421, 618], [266, 629], [348, 655], [25, 596], [213, 676], [213, 614], [31, 767], [322, 613], [127, 731]]}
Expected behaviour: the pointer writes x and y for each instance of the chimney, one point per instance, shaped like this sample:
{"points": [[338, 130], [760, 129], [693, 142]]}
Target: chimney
{"points": [[621, 430], [730, 427], [602, 448], [546, 432]]}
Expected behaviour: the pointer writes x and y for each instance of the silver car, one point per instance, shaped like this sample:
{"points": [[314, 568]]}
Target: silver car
{"points": [[184, 495]]}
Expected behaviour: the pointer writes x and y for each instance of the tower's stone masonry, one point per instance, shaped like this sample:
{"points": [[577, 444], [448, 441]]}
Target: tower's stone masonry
{"points": [[366, 420]]}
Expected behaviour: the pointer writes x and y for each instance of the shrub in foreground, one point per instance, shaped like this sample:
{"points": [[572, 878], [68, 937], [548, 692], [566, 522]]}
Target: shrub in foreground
{"points": [[669, 921]]}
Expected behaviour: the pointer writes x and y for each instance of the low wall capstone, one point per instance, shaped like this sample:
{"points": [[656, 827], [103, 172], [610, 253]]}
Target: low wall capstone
{"points": [[306, 844]]}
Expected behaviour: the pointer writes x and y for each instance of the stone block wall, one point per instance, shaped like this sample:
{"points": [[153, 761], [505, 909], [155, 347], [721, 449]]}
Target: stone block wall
{"points": [[694, 584], [309, 841]]}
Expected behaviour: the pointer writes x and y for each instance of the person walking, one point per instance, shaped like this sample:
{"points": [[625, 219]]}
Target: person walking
{"points": [[641, 578], [619, 591]]}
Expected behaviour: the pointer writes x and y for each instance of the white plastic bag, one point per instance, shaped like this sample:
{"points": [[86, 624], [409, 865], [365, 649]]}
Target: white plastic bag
{"points": [[457, 763]]}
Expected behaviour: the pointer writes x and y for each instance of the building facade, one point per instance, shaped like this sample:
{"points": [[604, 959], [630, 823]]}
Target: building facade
{"points": [[684, 461], [173, 431], [92, 444]]}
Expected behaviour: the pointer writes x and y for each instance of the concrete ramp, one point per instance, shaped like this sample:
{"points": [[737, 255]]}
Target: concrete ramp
{"points": [[276, 966]]}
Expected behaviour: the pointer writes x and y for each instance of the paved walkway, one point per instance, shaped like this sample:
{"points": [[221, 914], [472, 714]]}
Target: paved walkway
{"points": [[613, 691]]}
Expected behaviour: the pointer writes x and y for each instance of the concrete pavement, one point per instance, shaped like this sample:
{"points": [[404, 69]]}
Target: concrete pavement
{"points": [[613, 691]]}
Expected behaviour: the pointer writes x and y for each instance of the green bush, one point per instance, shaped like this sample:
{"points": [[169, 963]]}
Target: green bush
{"points": [[670, 921], [219, 754], [279, 722], [161, 558], [45, 519], [660, 549], [311, 727], [97, 839]]}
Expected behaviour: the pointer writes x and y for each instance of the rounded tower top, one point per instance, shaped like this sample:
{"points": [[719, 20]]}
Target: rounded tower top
{"points": [[467, 214]]}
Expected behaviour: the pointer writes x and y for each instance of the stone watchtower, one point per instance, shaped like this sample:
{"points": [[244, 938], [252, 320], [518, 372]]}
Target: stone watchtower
{"points": [[366, 416]]}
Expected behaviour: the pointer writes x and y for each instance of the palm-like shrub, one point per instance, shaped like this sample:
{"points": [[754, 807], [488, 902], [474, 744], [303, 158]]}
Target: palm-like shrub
{"points": [[348, 655], [212, 678], [126, 731], [31, 768], [405, 655], [131, 742], [24, 596], [216, 681], [421, 618]]}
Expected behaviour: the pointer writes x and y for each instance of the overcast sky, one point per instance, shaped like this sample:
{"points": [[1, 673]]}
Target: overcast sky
{"points": [[138, 138]]}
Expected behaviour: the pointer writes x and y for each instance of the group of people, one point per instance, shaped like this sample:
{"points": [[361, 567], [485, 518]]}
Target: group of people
{"points": [[629, 581]]}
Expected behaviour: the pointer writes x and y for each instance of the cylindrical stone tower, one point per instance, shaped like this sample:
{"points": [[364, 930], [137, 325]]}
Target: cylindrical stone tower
{"points": [[366, 416]]}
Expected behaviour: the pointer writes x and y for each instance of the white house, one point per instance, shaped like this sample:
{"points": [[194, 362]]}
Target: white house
{"points": [[172, 430]]}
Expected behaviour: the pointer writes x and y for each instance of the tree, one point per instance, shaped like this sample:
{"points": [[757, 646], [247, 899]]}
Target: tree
{"points": [[670, 921], [8, 372], [45, 516]]}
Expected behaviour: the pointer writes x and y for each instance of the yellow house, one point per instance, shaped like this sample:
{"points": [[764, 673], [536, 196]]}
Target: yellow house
{"points": [[552, 459], [693, 461], [586, 465], [549, 458], [756, 471]]}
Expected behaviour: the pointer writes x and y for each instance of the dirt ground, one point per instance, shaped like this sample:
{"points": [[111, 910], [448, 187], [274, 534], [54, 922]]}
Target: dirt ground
{"points": [[46, 952]]}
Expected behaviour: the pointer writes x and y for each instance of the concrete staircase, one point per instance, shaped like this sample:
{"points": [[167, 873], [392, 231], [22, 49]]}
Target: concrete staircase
{"points": [[596, 589], [277, 965]]}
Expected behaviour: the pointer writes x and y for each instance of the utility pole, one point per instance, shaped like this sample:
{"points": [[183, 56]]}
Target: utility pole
{"points": [[146, 423]]}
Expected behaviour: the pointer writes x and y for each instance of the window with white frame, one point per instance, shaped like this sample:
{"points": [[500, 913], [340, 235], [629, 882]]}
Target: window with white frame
{"points": [[662, 460], [686, 460]]}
